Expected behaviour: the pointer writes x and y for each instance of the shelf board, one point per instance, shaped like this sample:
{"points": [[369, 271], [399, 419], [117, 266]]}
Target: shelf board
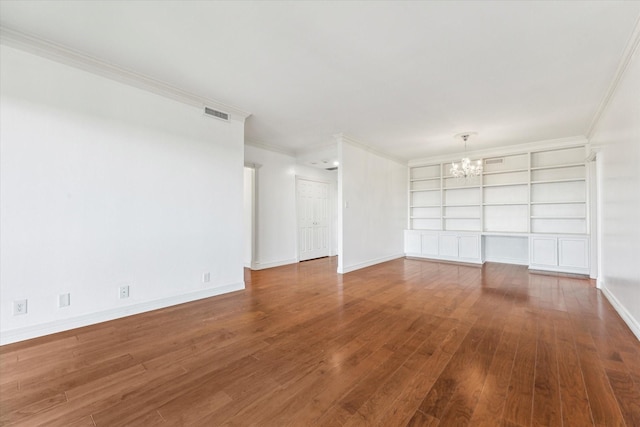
{"points": [[425, 206], [551, 181], [511, 184], [551, 233], [561, 202], [506, 233], [424, 179], [461, 217], [462, 187], [505, 171], [507, 204], [461, 205], [428, 189], [425, 217], [566, 165], [559, 217]]}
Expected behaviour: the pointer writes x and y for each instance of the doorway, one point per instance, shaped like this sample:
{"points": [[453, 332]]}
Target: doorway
{"points": [[312, 198]]}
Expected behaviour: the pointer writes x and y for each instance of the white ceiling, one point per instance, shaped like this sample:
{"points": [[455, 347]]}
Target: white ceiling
{"points": [[402, 77]]}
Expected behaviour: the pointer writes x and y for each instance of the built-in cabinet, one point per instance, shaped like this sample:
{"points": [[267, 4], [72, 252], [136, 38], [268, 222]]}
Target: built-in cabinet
{"points": [[535, 201], [560, 253], [444, 245]]}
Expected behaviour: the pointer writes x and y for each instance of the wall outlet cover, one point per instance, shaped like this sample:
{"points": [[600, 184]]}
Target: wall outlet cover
{"points": [[19, 307], [64, 300]]}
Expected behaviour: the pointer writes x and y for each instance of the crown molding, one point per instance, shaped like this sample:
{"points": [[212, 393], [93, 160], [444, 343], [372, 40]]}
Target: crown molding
{"points": [[317, 147], [632, 46], [77, 59], [350, 140], [505, 150], [274, 148]]}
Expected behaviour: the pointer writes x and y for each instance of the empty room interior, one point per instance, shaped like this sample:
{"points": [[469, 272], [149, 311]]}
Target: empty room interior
{"points": [[319, 213]]}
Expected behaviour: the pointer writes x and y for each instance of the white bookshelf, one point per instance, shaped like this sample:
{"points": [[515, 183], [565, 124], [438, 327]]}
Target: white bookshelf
{"points": [[461, 202], [425, 198], [559, 191], [527, 201], [506, 194]]}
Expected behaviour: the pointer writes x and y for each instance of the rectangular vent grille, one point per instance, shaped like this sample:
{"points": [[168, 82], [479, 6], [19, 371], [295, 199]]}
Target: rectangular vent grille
{"points": [[493, 161], [215, 113]]}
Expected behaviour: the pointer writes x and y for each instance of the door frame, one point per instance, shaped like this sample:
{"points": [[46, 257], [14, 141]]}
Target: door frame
{"points": [[254, 213], [330, 210]]}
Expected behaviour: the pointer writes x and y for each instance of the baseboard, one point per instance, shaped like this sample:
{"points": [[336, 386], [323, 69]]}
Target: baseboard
{"points": [[263, 265], [35, 331], [622, 311], [512, 261], [369, 263]]}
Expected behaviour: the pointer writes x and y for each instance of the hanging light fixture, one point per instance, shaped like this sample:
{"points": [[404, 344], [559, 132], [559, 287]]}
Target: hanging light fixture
{"points": [[465, 168]]}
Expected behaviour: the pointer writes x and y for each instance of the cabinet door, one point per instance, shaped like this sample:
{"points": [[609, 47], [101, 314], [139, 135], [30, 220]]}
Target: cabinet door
{"points": [[544, 251], [448, 245], [412, 244], [469, 247], [573, 252], [430, 244]]}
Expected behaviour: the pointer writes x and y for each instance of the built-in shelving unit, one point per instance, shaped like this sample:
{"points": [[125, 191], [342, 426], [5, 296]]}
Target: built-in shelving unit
{"points": [[506, 194], [425, 198], [518, 196], [559, 191], [461, 202]]}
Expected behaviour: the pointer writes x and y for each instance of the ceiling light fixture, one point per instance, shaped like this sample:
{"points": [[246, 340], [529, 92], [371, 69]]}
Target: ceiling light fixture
{"points": [[465, 168]]}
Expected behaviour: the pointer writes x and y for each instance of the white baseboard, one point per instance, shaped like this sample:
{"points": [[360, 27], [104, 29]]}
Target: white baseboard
{"points": [[21, 334], [622, 311], [369, 263], [513, 261], [263, 265]]}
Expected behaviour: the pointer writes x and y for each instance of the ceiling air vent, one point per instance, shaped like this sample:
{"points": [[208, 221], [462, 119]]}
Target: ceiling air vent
{"points": [[335, 168], [493, 161], [217, 114]]}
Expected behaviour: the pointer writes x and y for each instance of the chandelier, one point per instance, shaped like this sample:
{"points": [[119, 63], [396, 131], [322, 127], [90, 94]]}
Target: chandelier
{"points": [[465, 168]]}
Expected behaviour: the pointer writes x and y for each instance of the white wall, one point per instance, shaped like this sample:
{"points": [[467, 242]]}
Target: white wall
{"points": [[618, 134], [106, 185], [373, 211], [276, 227]]}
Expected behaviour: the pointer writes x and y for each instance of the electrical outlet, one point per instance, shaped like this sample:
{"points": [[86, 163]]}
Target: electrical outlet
{"points": [[206, 278], [19, 307], [64, 300], [124, 291]]}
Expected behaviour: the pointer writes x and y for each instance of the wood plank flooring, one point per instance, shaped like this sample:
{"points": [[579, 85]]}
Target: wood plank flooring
{"points": [[404, 343]]}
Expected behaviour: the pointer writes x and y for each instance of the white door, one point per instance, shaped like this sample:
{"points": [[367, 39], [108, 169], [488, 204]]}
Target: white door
{"points": [[313, 219]]}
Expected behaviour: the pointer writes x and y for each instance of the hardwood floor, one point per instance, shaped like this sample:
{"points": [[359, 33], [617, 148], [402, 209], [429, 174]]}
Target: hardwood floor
{"points": [[406, 342]]}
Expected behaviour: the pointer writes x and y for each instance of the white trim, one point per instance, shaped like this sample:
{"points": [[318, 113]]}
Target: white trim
{"points": [[263, 265], [453, 260], [365, 147], [574, 141], [556, 269], [317, 147], [253, 167], [622, 311], [369, 263], [513, 261], [273, 148], [632, 45], [81, 60], [21, 334]]}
